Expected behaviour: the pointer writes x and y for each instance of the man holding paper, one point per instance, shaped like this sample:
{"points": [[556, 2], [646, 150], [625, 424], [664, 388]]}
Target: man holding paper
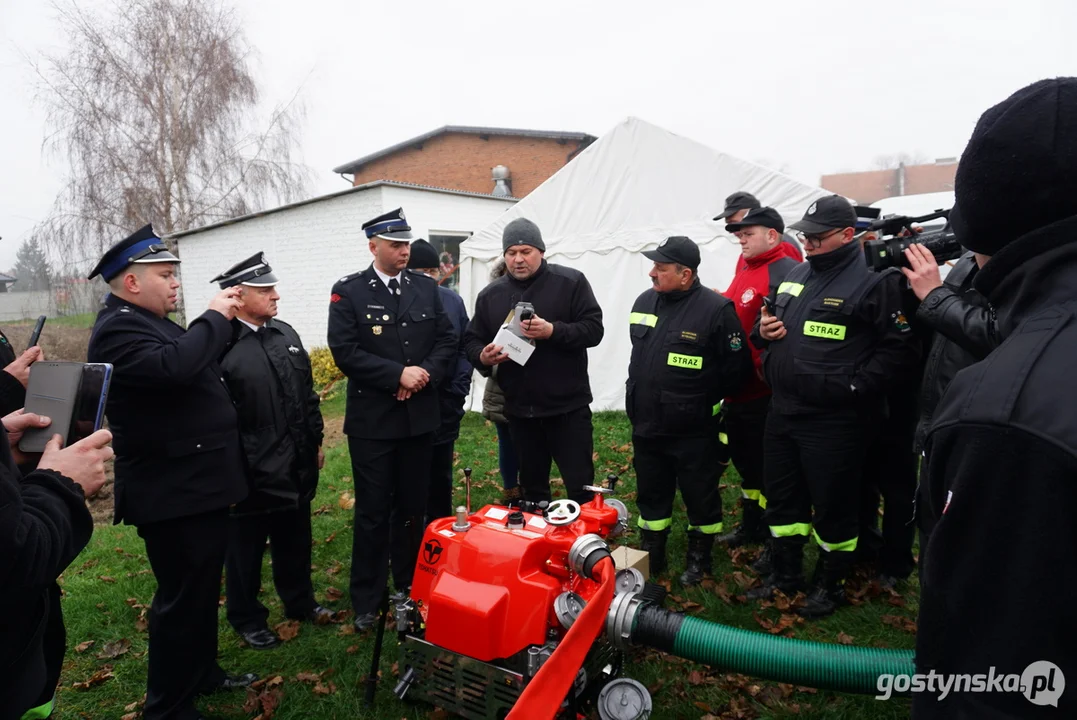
{"points": [[544, 369]]}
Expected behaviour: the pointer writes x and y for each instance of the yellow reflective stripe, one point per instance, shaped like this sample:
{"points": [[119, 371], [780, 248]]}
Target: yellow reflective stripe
{"points": [[824, 330], [847, 546], [692, 362], [792, 288], [790, 530], [40, 712], [714, 529], [717, 408], [654, 524], [642, 319], [756, 495]]}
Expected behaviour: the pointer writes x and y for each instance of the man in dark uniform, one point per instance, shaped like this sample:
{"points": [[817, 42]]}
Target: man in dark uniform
{"points": [[688, 352], [391, 337], [179, 464], [451, 394], [44, 524], [1000, 570], [269, 377], [837, 337]]}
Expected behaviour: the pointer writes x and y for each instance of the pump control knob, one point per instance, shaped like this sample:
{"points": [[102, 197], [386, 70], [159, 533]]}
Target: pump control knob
{"points": [[624, 699], [562, 512], [597, 489]]}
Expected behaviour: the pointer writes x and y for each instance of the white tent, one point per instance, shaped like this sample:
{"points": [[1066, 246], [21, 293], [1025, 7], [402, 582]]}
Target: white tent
{"points": [[633, 187]]}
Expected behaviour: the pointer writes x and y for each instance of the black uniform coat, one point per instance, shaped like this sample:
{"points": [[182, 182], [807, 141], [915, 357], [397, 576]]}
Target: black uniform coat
{"points": [[374, 336], [173, 423], [268, 374], [688, 352], [44, 525], [1000, 569], [12, 393]]}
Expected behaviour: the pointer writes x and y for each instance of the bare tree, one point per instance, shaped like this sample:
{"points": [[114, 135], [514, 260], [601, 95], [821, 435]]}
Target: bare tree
{"points": [[154, 109], [895, 160]]}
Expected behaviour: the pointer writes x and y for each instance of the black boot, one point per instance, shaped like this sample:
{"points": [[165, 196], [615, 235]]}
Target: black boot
{"points": [[787, 555], [829, 591], [698, 561], [654, 543], [764, 564], [751, 530]]}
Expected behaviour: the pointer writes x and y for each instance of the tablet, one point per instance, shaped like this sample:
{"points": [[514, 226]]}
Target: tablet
{"points": [[73, 395]]}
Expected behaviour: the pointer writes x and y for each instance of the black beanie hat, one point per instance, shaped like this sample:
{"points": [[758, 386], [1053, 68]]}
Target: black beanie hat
{"points": [[423, 256], [1019, 170], [522, 231]]}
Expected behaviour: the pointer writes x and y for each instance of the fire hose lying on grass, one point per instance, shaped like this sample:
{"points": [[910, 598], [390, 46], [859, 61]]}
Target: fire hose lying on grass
{"points": [[518, 612]]}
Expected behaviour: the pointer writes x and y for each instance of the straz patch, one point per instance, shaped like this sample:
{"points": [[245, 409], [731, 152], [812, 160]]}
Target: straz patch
{"points": [[828, 331], [833, 302], [747, 296], [689, 335], [736, 341], [900, 321], [691, 362]]}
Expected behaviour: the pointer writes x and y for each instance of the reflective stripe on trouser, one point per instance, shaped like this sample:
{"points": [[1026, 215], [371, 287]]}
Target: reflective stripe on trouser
{"points": [[656, 525], [755, 496], [846, 546], [41, 711], [813, 475], [714, 529], [665, 464]]}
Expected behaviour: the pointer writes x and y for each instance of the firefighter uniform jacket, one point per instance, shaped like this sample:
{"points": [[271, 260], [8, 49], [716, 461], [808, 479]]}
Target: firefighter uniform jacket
{"points": [[847, 335], [172, 420], [374, 336], [688, 352], [268, 373]]}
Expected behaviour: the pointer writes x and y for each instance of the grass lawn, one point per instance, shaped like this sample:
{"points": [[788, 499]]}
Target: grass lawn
{"points": [[320, 672]]}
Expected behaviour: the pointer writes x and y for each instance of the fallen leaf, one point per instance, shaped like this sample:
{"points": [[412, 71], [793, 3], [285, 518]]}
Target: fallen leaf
{"points": [[275, 681], [625, 448], [286, 631], [330, 538], [102, 675], [346, 501], [308, 677], [129, 716], [322, 511], [333, 594], [112, 650], [84, 646], [320, 689], [697, 678], [845, 639], [901, 623], [352, 649], [743, 581], [106, 578]]}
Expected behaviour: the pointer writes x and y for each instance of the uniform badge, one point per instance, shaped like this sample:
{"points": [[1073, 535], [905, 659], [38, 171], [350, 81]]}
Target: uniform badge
{"points": [[736, 342], [900, 321], [689, 335], [293, 349], [385, 318], [334, 298], [376, 329], [747, 296], [812, 208]]}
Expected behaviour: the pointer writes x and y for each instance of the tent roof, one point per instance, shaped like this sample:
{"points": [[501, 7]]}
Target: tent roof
{"points": [[636, 185]]}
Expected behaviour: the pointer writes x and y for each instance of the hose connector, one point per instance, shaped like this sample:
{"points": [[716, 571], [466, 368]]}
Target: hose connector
{"points": [[585, 553], [621, 619]]}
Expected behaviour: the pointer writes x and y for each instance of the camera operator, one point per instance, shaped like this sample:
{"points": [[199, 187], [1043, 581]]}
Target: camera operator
{"points": [[1000, 570], [179, 463], [547, 400], [44, 525], [688, 352]]}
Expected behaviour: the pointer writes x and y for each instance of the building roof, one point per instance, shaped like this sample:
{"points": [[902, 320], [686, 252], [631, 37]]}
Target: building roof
{"points": [[7, 278], [329, 196], [356, 165]]}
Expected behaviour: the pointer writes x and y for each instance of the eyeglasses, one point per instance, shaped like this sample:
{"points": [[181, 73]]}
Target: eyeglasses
{"points": [[816, 240]]}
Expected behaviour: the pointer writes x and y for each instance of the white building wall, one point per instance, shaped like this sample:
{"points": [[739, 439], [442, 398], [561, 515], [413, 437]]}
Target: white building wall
{"points": [[312, 246]]}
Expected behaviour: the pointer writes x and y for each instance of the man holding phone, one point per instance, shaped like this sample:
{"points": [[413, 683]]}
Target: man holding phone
{"points": [[547, 400], [179, 463]]}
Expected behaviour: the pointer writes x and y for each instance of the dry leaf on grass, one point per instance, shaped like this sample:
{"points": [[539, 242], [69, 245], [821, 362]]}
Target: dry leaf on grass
{"points": [[103, 674], [333, 594], [112, 650], [287, 630], [346, 501], [84, 646], [845, 639]]}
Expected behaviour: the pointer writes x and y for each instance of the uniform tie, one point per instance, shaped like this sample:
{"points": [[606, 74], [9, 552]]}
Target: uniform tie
{"points": [[394, 290]]}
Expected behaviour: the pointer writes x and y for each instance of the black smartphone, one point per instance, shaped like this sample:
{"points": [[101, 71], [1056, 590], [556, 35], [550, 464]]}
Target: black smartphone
{"points": [[89, 413], [769, 304], [36, 334]]}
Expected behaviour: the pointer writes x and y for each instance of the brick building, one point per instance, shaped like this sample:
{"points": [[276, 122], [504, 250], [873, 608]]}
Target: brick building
{"points": [[463, 158], [867, 187]]}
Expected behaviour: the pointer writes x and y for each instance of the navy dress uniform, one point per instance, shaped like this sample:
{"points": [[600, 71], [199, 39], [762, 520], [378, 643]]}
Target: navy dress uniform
{"points": [[179, 467], [688, 352], [847, 337], [268, 373], [377, 328]]}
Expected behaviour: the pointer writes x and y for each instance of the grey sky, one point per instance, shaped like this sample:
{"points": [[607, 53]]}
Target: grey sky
{"points": [[816, 86]]}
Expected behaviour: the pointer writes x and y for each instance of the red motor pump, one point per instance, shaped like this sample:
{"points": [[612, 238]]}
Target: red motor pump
{"points": [[494, 596]]}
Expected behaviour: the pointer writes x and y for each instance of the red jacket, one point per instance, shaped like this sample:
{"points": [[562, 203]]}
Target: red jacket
{"points": [[754, 279]]}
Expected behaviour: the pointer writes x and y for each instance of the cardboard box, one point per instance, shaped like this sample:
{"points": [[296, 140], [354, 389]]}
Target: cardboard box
{"points": [[628, 557], [519, 349]]}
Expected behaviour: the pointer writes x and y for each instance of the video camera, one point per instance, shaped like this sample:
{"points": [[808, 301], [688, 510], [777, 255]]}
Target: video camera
{"points": [[889, 251]]}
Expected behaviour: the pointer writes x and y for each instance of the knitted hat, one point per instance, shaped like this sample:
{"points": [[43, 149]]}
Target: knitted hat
{"points": [[1019, 170], [423, 255], [522, 231]]}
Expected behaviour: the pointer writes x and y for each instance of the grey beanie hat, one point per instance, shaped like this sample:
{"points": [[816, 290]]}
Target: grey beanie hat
{"points": [[522, 231]]}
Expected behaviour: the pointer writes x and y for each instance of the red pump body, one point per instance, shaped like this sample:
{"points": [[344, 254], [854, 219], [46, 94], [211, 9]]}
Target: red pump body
{"points": [[488, 592]]}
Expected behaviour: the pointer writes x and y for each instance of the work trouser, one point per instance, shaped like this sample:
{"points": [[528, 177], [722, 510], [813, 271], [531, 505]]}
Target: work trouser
{"points": [[694, 464], [815, 462], [289, 534], [565, 438], [890, 472], [745, 424]]}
